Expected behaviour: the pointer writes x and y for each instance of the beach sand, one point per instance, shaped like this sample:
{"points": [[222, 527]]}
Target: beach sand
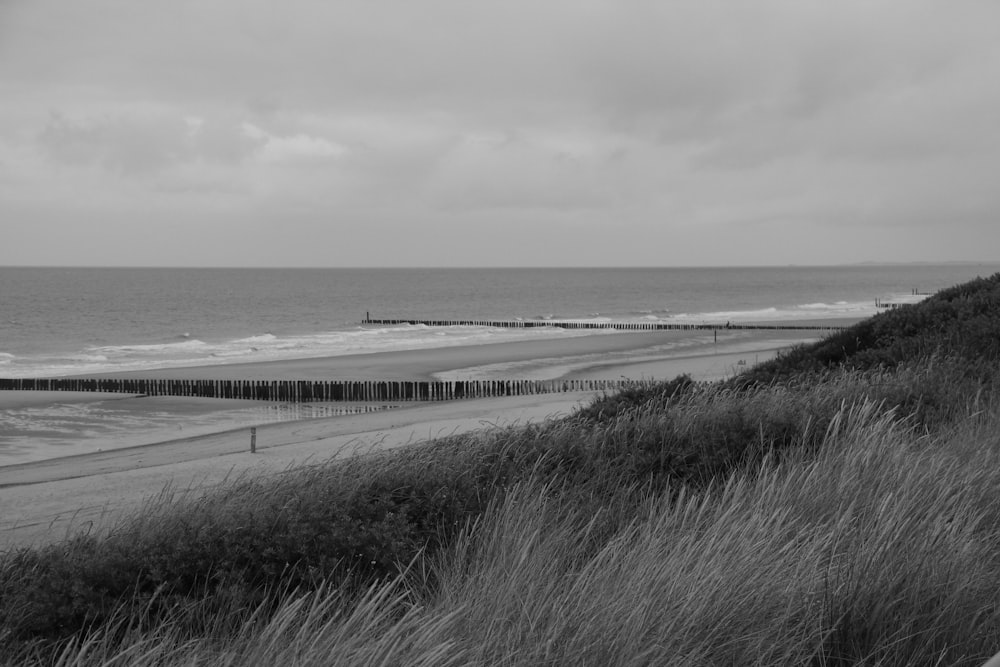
{"points": [[47, 500]]}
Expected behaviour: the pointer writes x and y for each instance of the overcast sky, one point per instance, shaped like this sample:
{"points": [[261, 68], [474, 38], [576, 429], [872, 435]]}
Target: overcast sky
{"points": [[498, 132]]}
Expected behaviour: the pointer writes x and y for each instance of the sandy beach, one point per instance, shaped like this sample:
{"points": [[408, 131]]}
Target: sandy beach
{"points": [[425, 364], [46, 500]]}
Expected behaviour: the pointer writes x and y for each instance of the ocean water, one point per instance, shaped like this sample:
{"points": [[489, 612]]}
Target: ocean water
{"points": [[75, 321]]}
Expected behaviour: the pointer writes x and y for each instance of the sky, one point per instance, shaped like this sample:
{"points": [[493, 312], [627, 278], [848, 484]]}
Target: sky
{"points": [[498, 132]]}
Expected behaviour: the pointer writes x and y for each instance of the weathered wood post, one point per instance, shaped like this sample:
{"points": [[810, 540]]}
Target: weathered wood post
{"points": [[253, 439]]}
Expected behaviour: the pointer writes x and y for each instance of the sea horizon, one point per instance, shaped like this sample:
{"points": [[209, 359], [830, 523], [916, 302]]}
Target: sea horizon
{"points": [[956, 262]]}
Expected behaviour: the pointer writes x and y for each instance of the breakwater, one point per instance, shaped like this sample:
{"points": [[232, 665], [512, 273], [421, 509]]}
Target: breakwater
{"points": [[590, 324], [300, 391]]}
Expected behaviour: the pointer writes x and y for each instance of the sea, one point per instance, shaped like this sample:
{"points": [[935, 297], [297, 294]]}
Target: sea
{"points": [[77, 321]]}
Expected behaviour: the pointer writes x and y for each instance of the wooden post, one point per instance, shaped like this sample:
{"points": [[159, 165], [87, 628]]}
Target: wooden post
{"points": [[253, 439]]}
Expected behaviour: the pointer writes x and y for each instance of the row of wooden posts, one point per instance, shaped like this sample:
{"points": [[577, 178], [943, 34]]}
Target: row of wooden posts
{"points": [[300, 391], [617, 326]]}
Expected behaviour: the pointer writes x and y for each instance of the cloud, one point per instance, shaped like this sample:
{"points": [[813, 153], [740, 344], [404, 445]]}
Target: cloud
{"points": [[181, 154], [120, 145], [682, 123], [137, 145], [297, 147]]}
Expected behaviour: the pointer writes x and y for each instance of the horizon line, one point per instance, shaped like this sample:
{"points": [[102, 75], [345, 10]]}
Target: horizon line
{"points": [[509, 267]]}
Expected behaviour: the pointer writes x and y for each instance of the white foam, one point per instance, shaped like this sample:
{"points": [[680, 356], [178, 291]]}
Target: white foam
{"points": [[234, 353], [748, 315], [89, 358], [253, 340], [156, 348], [838, 307], [805, 311]]}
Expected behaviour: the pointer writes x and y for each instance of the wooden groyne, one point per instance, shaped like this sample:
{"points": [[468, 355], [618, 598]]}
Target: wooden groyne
{"points": [[302, 391], [618, 326]]}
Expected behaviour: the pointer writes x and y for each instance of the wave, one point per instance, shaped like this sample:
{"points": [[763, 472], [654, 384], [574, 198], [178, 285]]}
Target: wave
{"points": [[838, 306], [262, 338], [234, 353], [152, 348], [804, 311], [747, 315], [90, 358]]}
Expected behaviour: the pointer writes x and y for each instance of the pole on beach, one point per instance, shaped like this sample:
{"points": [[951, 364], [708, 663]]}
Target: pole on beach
{"points": [[253, 439]]}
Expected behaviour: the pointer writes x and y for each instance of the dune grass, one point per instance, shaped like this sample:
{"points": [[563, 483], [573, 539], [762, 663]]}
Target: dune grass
{"points": [[878, 548]]}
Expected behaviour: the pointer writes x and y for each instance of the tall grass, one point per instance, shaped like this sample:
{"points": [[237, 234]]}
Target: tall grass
{"points": [[882, 550], [877, 548]]}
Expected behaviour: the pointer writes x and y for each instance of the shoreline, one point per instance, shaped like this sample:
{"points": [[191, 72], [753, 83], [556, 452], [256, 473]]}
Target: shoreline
{"points": [[416, 364], [424, 364]]}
